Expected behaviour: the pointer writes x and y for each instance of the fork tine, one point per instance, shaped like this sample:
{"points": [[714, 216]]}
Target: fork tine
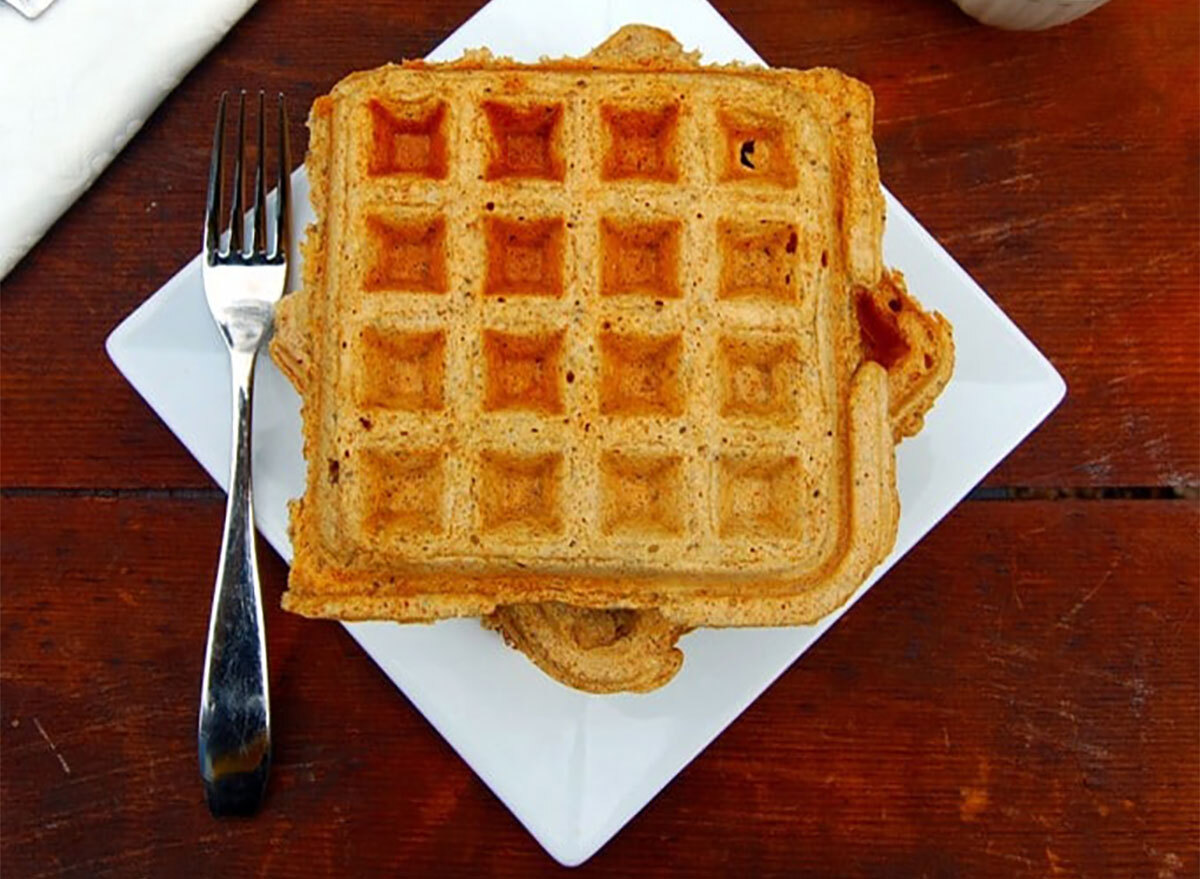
{"points": [[237, 229], [283, 198], [212, 204], [260, 188]]}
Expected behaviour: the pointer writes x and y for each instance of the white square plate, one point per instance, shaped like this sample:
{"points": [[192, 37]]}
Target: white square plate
{"points": [[575, 768]]}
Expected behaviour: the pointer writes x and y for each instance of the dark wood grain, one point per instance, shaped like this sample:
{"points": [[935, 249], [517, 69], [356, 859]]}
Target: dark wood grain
{"points": [[1060, 168], [1019, 697], [1016, 696]]}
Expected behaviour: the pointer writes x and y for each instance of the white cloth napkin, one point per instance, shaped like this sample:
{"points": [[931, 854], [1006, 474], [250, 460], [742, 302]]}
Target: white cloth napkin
{"points": [[75, 85]]}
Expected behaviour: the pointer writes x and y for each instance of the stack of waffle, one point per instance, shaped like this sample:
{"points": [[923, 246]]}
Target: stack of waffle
{"points": [[599, 349]]}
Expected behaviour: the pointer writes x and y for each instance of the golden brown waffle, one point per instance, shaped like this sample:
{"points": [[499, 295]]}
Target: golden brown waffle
{"points": [[605, 651], [583, 331], [915, 346], [600, 651]]}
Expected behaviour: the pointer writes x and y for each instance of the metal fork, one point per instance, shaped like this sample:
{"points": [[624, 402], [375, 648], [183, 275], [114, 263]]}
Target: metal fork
{"points": [[242, 283]]}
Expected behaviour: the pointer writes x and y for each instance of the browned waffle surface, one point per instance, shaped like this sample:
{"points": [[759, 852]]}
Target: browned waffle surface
{"points": [[601, 651], [604, 651], [584, 332]]}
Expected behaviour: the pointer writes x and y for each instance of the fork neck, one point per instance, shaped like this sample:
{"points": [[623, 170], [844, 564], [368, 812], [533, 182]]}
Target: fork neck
{"points": [[241, 366]]}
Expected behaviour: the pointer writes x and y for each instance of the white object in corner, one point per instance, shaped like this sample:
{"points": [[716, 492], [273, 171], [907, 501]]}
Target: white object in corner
{"points": [[1027, 15]]}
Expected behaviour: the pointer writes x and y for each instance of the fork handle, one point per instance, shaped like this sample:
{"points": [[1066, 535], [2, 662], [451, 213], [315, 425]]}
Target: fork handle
{"points": [[235, 714]]}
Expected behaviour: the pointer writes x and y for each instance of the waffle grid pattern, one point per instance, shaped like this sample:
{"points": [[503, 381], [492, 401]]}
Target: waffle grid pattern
{"points": [[528, 345]]}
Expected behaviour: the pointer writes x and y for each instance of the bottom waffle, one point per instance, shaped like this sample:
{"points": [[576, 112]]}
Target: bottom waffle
{"points": [[601, 651], [608, 651]]}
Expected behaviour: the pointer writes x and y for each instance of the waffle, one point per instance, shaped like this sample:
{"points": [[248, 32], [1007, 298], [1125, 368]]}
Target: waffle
{"points": [[582, 332], [599, 651], [915, 346], [606, 651]]}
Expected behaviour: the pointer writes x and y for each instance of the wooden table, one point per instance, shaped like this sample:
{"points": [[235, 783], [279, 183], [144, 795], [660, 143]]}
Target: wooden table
{"points": [[1017, 698]]}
